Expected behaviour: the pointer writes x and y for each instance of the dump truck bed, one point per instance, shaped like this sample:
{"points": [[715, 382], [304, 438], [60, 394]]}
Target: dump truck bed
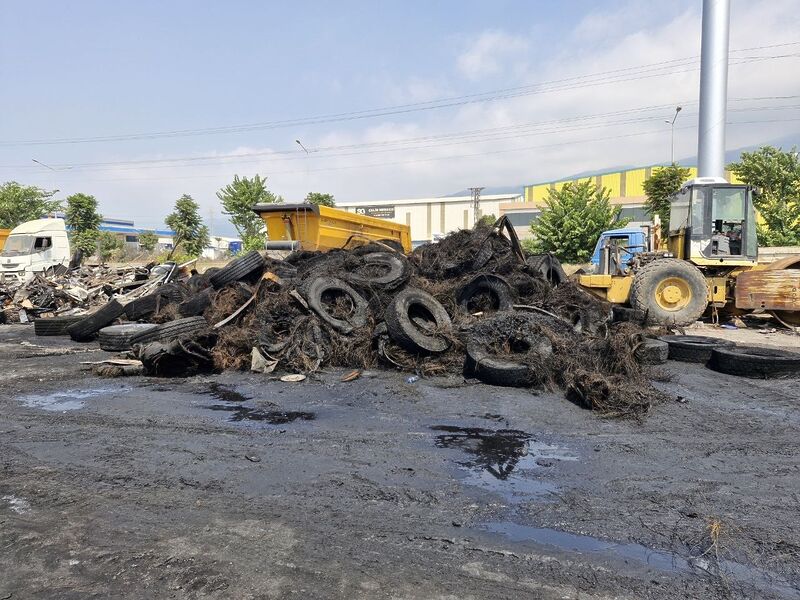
{"points": [[311, 227]]}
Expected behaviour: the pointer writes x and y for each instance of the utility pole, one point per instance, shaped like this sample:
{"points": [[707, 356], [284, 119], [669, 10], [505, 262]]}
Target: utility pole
{"points": [[672, 134], [476, 202], [713, 88]]}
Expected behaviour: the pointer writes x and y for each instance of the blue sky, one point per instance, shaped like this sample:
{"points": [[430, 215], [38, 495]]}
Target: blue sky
{"points": [[91, 69]]}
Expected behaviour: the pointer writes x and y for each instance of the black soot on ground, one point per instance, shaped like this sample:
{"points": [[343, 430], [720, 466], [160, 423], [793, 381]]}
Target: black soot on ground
{"points": [[222, 392], [273, 417]]}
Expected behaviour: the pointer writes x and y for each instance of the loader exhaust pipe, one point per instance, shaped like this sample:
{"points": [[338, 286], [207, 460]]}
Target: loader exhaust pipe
{"points": [[713, 88]]}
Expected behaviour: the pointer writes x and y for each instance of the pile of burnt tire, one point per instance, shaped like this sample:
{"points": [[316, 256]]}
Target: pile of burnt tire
{"points": [[725, 356]]}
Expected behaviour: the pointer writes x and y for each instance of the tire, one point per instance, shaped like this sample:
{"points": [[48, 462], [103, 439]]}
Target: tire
{"points": [[403, 316], [146, 305], [396, 275], [693, 348], [748, 361], [197, 304], [117, 338], [548, 266], [497, 288], [487, 367], [659, 277], [652, 352], [394, 245], [623, 314], [85, 329], [54, 325], [237, 269], [314, 291], [180, 328]]}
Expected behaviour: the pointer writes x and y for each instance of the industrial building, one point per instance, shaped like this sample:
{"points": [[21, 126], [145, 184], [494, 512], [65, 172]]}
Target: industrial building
{"points": [[129, 233], [431, 218], [626, 189]]}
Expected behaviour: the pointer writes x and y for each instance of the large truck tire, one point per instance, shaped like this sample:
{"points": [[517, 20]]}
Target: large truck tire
{"points": [[180, 328], [54, 325], [749, 361], [85, 329], [669, 292], [237, 269], [693, 348]]}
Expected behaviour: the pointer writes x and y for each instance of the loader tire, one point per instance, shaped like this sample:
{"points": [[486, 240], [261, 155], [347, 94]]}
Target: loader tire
{"points": [[417, 322], [85, 329], [693, 348], [317, 291], [237, 269], [749, 361], [670, 292], [498, 291], [117, 338], [180, 328], [54, 325]]}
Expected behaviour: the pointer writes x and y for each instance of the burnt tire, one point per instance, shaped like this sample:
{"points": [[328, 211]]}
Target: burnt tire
{"points": [[548, 266], [489, 368], [749, 361], [315, 291], [417, 322], [693, 348], [623, 314], [652, 352], [650, 287], [180, 328], [117, 338], [154, 301], [237, 269], [397, 271], [197, 304], [54, 325], [85, 329], [495, 288]]}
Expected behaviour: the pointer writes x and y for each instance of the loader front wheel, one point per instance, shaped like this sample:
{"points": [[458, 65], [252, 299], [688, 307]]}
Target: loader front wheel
{"points": [[670, 292]]}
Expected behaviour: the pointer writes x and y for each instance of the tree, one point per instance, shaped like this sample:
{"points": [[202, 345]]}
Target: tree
{"points": [[320, 199], [185, 221], [573, 219], [20, 203], [107, 245], [83, 221], [148, 240], [237, 200], [777, 175], [663, 183], [487, 220]]}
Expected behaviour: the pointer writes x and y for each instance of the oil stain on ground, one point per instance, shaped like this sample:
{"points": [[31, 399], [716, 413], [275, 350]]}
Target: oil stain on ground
{"points": [[504, 461], [273, 417], [224, 393]]}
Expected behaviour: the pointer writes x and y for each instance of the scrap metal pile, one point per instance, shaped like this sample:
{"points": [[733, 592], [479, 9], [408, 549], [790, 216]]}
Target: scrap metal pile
{"points": [[471, 304]]}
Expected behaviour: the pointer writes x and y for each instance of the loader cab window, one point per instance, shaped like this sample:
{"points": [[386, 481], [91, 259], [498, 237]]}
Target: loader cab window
{"points": [[42, 243], [723, 222]]}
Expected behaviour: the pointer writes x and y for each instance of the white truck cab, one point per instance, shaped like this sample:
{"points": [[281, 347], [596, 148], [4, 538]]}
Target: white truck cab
{"points": [[34, 247]]}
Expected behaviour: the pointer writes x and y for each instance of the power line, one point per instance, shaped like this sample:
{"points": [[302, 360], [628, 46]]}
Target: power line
{"points": [[505, 93], [439, 158]]}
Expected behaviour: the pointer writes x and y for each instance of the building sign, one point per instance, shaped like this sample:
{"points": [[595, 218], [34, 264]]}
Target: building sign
{"points": [[381, 212]]}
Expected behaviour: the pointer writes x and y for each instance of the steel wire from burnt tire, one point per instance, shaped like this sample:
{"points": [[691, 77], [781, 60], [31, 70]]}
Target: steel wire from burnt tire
{"points": [[54, 325], [486, 292], [751, 361], [395, 271], [336, 303], [693, 348]]}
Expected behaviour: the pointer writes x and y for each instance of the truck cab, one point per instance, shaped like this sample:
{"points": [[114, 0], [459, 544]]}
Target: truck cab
{"points": [[616, 247], [34, 247]]}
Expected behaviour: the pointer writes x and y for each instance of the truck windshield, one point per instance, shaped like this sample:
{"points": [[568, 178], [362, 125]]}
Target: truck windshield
{"points": [[17, 245]]}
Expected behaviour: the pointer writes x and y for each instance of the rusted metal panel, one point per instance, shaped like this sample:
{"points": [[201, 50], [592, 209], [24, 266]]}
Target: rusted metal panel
{"points": [[772, 290]]}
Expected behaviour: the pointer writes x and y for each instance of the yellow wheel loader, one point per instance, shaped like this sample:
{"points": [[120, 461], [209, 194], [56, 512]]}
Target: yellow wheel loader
{"points": [[710, 263]]}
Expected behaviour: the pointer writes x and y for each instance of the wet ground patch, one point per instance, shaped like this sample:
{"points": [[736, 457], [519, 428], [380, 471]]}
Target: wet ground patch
{"points": [[505, 461], [222, 392], [272, 417], [62, 401]]}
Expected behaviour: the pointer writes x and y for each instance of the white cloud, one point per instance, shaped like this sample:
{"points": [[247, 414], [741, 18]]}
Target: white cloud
{"points": [[489, 54]]}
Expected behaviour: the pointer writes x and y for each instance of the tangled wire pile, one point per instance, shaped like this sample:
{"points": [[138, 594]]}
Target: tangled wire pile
{"points": [[468, 304]]}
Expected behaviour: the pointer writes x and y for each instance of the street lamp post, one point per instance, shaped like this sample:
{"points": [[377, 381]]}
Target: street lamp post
{"points": [[672, 134]]}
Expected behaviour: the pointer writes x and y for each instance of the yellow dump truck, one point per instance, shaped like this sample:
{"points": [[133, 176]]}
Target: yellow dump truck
{"points": [[311, 227], [3, 237]]}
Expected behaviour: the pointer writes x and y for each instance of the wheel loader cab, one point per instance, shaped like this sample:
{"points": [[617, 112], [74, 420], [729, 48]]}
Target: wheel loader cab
{"points": [[712, 223]]}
